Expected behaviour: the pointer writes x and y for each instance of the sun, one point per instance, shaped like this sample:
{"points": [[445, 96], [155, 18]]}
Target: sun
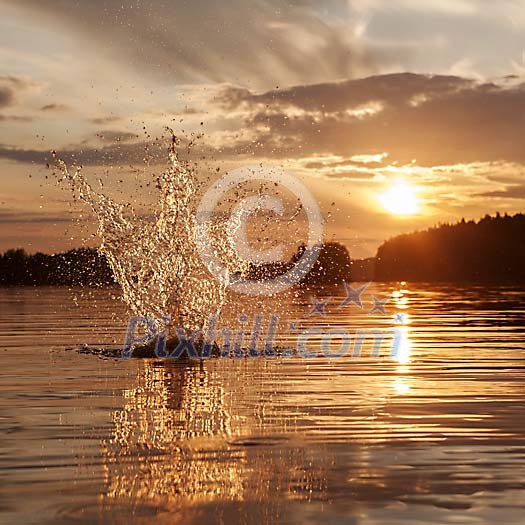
{"points": [[400, 198]]}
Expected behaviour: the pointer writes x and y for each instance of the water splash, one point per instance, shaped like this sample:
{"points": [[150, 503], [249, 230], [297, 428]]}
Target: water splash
{"points": [[153, 257]]}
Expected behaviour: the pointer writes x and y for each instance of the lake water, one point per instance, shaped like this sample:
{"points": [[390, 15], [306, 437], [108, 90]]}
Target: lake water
{"points": [[435, 435]]}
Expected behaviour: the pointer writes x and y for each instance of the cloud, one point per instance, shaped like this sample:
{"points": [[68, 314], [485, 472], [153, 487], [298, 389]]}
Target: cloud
{"points": [[270, 42], [118, 153], [381, 120], [24, 155], [14, 216], [9, 88], [434, 119], [54, 107], [108, 119], [394, 89], [208, 41], [15, 118], [510, 192], [114, 154], [7, 96], [350, 175], [353, 162]]}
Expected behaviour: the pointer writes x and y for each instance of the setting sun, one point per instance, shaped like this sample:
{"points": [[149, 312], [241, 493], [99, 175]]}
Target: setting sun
{"points": [[400, 198]]}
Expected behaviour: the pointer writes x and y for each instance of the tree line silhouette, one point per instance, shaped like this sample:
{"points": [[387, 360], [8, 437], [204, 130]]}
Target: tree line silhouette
{"points": [[87, 267], [80, 267], [332, 266], [489, 250]]}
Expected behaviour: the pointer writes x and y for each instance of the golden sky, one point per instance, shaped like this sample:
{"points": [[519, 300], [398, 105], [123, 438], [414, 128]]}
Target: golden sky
{"points": [[396, 115]]}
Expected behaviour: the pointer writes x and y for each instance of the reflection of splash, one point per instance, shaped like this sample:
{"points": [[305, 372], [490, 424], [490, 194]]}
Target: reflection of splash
{"points": [[172, 419], [181, 440]]}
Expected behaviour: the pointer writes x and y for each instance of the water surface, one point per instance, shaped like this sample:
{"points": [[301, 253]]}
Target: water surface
{"points": [[435, 436]]}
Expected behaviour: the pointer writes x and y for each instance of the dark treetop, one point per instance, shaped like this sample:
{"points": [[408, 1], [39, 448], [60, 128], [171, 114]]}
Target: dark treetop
{"points": [[490, 250], [83, 266]]}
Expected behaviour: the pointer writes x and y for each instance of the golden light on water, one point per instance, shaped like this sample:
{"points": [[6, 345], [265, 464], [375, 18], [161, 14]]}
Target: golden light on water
{"points": [[402, 345], [400, 198]]}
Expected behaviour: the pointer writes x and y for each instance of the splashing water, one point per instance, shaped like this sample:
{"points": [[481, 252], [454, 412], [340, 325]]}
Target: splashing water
{"points": [[155, 261]]}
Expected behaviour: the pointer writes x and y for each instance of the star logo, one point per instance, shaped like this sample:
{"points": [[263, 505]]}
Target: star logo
{"points": [[293, 327], [379, 305], [353, 295], [400, 318], [318, 307]]}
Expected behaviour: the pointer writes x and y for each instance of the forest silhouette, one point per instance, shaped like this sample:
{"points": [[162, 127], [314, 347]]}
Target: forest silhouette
{"points": [[489, 250], [80, 267]]}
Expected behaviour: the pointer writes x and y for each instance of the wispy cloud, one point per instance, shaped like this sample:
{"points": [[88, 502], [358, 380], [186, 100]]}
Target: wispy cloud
{"points": [[20, 217], [55, 107], [10, 86]]}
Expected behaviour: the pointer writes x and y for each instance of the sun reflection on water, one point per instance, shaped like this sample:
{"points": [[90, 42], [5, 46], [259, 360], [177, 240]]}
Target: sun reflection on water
{"points": [[402, 345]]}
